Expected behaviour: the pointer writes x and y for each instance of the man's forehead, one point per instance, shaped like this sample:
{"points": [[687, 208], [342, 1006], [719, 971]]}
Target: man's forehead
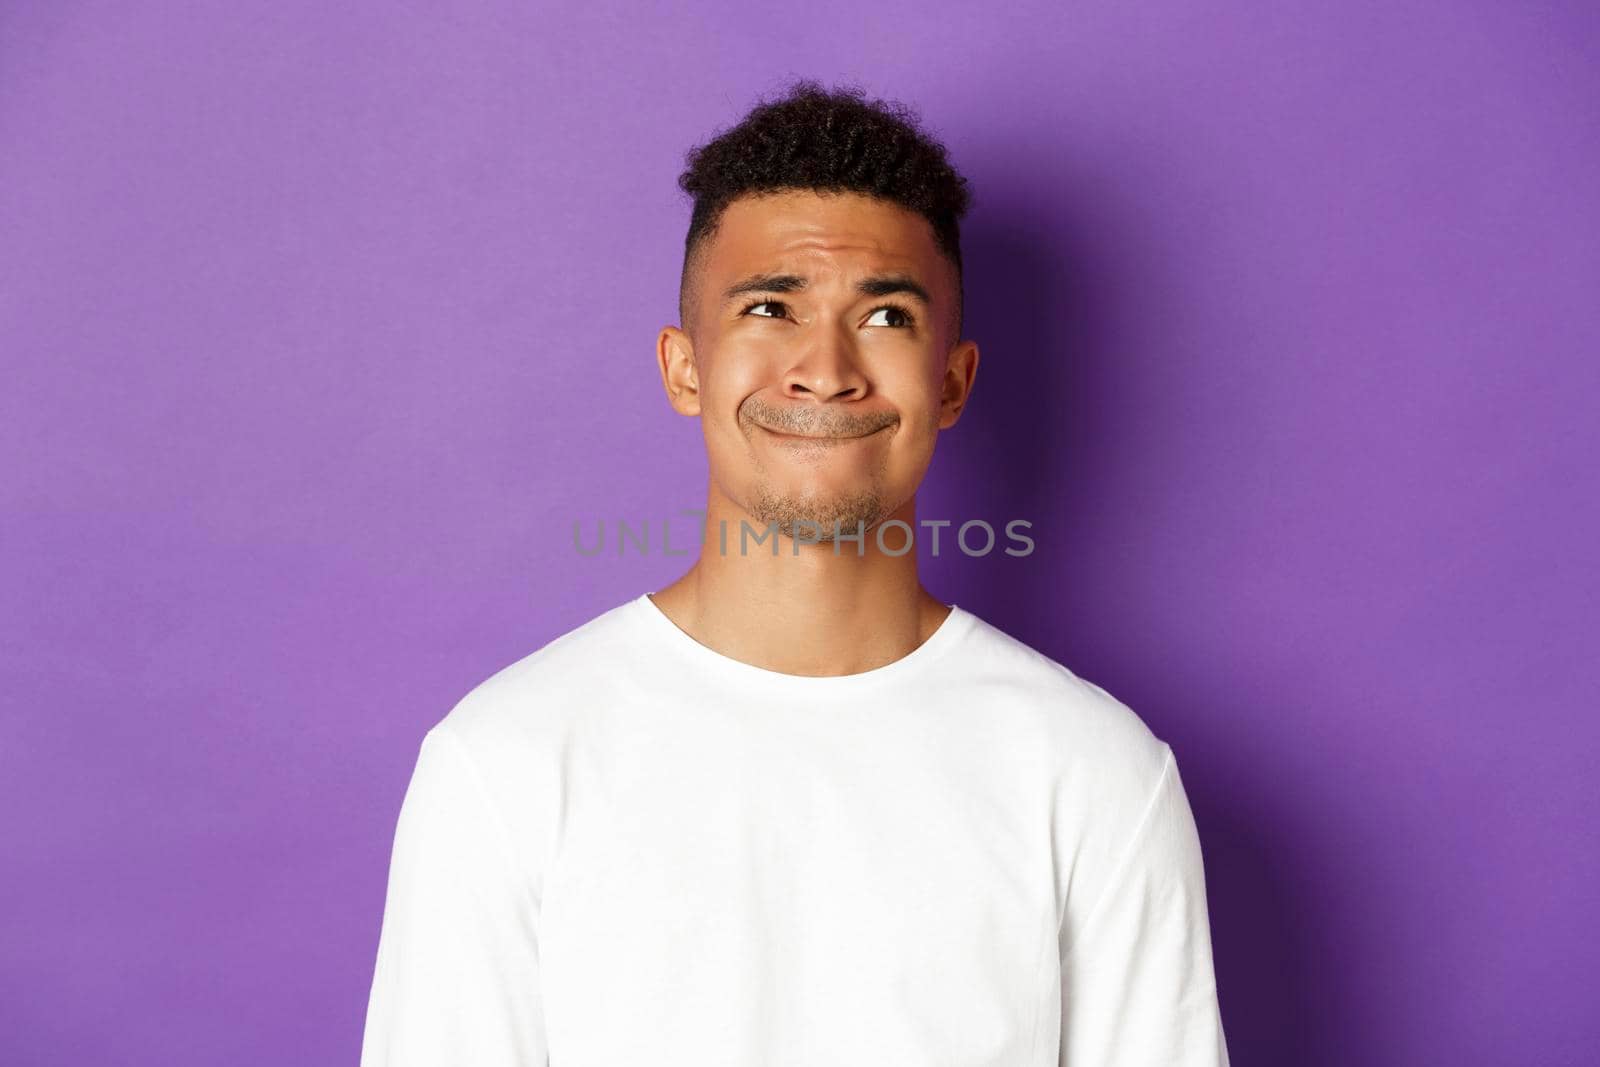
{"points": [[806, 232]]}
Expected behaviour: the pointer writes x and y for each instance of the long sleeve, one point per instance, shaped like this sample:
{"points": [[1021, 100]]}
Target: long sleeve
{"points": [[457, 974], [1137, 984]]}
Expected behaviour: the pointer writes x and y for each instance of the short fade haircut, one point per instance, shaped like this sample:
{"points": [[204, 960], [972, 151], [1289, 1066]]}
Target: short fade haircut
{"points": [[826, 140]]}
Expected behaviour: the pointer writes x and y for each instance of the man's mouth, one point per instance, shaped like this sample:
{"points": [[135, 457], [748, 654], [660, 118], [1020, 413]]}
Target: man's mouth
{"points": [[786, 436]]}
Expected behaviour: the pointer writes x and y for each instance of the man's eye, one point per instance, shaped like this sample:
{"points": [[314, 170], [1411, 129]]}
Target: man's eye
{"points": [[765, 304], [905, 318]]}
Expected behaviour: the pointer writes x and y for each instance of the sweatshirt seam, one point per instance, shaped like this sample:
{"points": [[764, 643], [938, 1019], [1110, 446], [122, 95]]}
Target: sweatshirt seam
{"points": [[502, 831], [956, 627], [1167, 762]]}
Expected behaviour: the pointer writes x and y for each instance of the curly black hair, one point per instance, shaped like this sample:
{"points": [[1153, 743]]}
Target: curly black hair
{"points": [[827, 140]]}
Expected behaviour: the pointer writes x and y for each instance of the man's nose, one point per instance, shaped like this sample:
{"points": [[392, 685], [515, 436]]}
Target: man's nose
{"points": [[828, 368]]}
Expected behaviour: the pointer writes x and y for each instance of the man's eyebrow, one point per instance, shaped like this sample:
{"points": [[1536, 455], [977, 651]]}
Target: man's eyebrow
{"points": [[878, 285], [885, 284]]}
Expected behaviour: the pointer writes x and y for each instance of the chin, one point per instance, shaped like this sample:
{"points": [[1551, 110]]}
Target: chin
{"points": [[787, 509]]}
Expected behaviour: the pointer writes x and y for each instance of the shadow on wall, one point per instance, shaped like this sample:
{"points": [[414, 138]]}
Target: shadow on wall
{"points": [[1267, 967], [1040, 439]]}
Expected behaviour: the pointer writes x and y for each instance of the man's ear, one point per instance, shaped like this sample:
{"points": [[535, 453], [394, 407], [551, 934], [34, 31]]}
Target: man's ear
{"points": [[960, 371], [679, 375]]}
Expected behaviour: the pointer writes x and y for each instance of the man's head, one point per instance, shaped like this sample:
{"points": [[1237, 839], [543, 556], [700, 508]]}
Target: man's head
{"points": [[820, 139], [821, 309]]}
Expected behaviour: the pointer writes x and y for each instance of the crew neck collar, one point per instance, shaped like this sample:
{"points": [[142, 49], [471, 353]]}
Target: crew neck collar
{"points": [[955, 625]]}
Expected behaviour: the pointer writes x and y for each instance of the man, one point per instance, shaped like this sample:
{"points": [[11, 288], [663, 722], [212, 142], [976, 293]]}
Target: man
{"points": [[792, 809]]}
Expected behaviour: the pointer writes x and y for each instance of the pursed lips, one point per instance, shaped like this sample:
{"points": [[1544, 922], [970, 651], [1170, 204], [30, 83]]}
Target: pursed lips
{"points": [[817, 437]]}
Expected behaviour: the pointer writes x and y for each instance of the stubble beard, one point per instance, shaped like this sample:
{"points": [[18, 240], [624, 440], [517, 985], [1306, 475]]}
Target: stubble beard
{"points": [[846, 514]]}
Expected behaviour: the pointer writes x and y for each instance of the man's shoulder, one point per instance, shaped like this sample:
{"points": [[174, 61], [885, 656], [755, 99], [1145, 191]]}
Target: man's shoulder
{"points": [[1098, 735], [512, 728], [532, 693]]}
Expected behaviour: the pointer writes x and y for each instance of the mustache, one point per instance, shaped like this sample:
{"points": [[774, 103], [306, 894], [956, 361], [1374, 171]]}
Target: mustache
{"points": [[817, 421]]}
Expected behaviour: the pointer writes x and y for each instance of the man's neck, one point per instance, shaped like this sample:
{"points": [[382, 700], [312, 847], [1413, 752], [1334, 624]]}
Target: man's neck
{"points": [[809, 609]]}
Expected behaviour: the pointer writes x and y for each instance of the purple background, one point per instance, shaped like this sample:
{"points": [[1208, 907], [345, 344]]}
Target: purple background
{"points": [[322, 324]]}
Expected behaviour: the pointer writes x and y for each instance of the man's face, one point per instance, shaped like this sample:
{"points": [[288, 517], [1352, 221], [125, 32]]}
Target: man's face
{"points": [[821, 358]]}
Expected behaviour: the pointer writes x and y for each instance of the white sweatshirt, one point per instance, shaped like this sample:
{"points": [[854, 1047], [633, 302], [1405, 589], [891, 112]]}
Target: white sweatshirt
{"points": [[627, 849]]}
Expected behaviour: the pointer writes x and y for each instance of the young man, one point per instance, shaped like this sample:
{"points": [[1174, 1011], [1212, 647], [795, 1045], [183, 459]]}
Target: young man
{"points": [[792, 809]]}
